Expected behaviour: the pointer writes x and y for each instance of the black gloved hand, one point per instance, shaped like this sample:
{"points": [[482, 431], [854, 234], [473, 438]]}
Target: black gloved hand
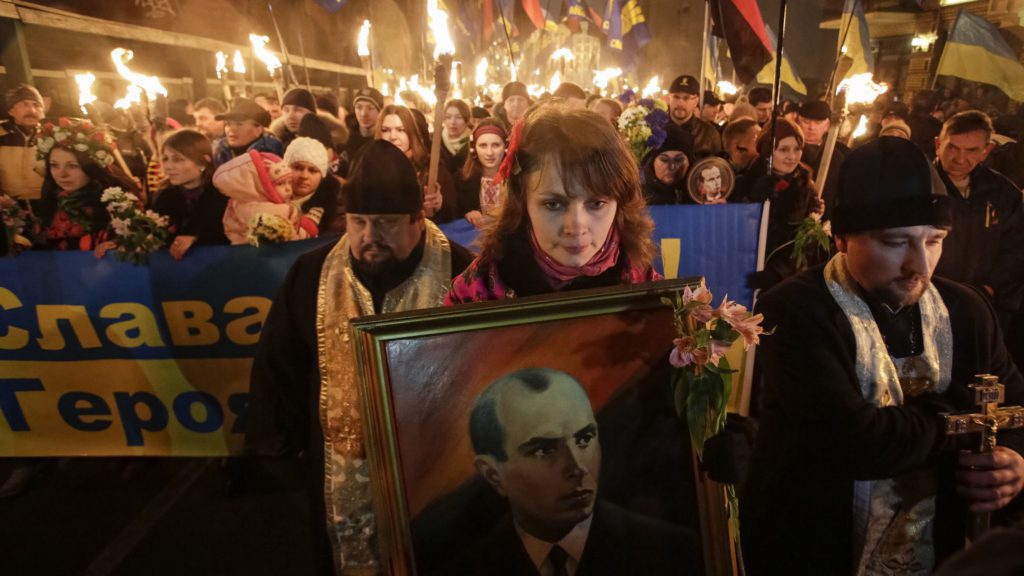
{"points": [[727, 454]]}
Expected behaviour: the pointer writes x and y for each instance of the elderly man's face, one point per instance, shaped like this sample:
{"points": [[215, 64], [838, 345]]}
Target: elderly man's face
{"points": [[960, 154], [26, 113], [895, 265], [814, 130], [554, 457]]}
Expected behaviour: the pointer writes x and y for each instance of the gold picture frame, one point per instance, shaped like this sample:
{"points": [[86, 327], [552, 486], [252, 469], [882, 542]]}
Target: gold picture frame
{"points": [[422, 371]]}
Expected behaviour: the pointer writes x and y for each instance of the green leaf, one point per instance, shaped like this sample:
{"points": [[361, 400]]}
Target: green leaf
{"points": [[668, 302]]}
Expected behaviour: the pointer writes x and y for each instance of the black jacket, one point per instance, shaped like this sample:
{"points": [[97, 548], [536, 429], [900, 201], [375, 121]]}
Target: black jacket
{"points": [[986, 245], [657, 192], [194, 215], [818, 434], [706, 139]]}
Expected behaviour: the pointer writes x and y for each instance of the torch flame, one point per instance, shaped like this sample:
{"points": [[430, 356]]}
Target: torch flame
{"points": [[562, 54], [481, 72], [603, 77], [535, 90], [149, 84], [134, 96], [861, 89], [239, 63], [259, 46], [862, 127], [438, 21], [364, 39], [85, 96], [726, 87], [556, 81], [222, 64], [653, 87]]}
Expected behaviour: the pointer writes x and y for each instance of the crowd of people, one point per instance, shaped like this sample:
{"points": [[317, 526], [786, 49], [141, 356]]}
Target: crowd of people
{"points": [[560, 200]]}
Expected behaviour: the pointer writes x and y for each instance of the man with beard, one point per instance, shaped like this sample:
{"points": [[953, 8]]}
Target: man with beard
{"points": [[391, 259], [684, 100], [852, 472], [536, 443], [18, 178]]}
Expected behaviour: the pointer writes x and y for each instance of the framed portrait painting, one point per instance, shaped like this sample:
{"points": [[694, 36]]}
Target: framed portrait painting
{"points": [[523, 436], [711, 181]]}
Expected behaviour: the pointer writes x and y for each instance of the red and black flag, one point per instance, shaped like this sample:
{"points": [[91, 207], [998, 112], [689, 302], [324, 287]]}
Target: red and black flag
{"points": [[743, 28]]}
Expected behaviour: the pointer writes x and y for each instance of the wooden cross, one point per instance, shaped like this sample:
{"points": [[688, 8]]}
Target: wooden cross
{"points": [[988, 394]]}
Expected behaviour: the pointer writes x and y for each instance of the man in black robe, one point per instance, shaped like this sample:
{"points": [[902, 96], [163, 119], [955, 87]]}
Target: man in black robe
{"points": [[852, 472], [391, 259]]}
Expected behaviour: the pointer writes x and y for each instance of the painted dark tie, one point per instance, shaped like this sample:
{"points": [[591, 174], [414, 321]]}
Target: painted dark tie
{"points": [[558, 558]]}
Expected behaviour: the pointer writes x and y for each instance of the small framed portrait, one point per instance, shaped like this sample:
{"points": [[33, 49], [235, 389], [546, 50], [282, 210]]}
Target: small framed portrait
{"points": [[522, 436], [711, 181]]}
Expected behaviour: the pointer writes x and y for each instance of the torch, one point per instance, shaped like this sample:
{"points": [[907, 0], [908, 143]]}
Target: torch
{"points": [[481, 79], [141, 88], [85, 100], [364, 52], [603, 77], [653, 88], [563, 55], [444, 50], [238, 72], [259, 46], [860, 89], [222, 70]]}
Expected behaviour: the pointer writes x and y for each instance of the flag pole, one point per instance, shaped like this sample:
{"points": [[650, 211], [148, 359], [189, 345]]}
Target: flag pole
{"points": [[703, 57], [776, 85], [935, 77], [830, 89]]}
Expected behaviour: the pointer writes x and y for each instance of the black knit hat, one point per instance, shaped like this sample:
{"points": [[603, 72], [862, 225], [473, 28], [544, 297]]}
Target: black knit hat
{"points": [[313, 127], [371, 95], [815, 110], [570, 90], [711, 99], [300, 97], [677, 139], [383, 181], [889, 183], [514, 88], [23, 92]]}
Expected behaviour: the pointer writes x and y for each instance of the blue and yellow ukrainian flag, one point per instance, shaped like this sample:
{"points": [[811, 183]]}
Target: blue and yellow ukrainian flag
{"points": [[626, 27], [975, 51], [854, 39], [789, 75]]}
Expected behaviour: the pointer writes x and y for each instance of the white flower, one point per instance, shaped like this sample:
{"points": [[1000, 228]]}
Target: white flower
{"points": [[80, 136], [45, 144], [111, 193], [60, 136], [81, 147], [101, 154], [121, 227], [827, 227]]}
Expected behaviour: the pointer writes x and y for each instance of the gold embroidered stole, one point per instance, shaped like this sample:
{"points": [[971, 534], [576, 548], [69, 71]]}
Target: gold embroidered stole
{"points": [[893, 518], [341, 297]]}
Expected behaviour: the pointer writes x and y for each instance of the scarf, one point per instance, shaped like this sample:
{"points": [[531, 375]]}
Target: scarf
{"points": [[560, 275], [893, 518], [454, 145]]}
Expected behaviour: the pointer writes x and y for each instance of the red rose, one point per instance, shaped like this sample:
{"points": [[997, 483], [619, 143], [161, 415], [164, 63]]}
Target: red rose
{"points": [[85, 243], [48, 127], [86, 125], [64, 122], [99, 136]]}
